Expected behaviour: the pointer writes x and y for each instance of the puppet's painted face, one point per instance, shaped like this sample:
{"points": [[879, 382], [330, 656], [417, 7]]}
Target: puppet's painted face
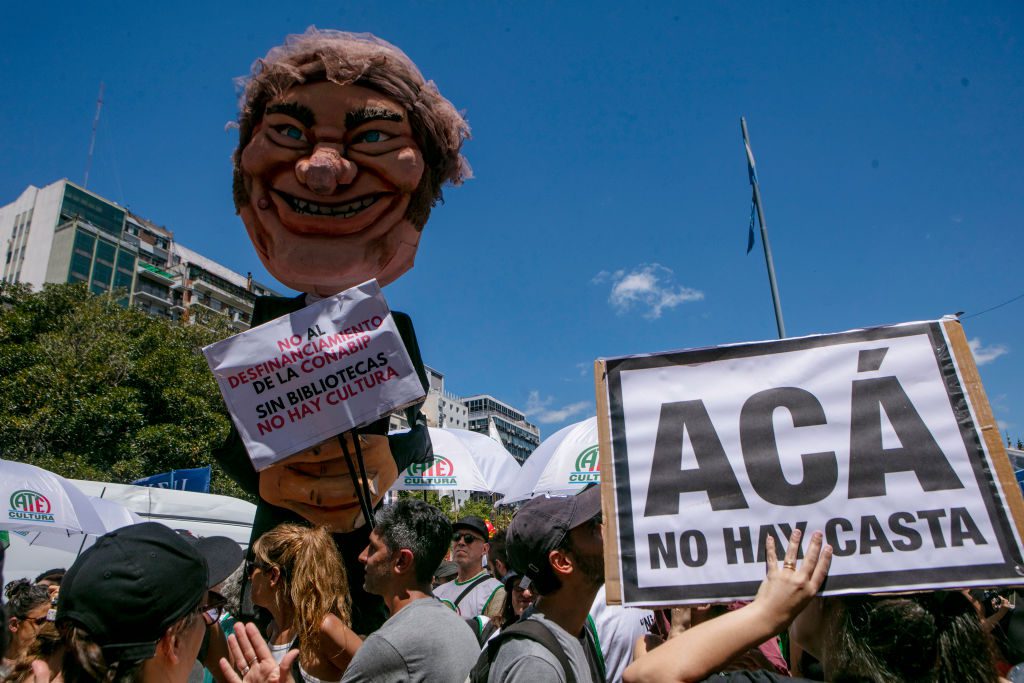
{"points": [[330, 171]]}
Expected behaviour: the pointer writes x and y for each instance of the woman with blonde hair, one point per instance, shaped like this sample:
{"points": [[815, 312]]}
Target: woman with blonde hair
{"points": [[297, 575]]}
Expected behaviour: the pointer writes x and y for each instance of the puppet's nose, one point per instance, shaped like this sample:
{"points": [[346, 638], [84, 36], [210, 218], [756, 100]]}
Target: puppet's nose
{"points": [[324, 170]]}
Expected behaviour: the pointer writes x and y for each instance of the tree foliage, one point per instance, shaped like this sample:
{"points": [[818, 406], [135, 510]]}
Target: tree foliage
{"points": [[92, 390], [478, 505]]}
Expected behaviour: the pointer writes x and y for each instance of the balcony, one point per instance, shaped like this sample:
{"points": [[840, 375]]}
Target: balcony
{"points": [[223, 295], [158, 274], [153, 296]]}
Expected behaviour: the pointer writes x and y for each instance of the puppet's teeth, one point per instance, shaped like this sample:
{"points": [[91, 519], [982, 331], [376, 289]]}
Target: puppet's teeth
{"points": [[343, 211]]}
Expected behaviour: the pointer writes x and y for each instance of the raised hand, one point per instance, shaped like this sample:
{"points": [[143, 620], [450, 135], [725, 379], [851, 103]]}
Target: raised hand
{"points": [[252, 659]]}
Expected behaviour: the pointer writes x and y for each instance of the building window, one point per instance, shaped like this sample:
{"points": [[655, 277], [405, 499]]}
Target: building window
{"points": [[80, 265]]}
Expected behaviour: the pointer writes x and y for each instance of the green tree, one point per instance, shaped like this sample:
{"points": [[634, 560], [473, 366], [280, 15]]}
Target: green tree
{"points": [[92, 390], [478, 506]]}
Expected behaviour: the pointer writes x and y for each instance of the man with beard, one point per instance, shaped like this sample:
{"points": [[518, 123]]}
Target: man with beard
{"points": [[423, 640], [558, 543]]}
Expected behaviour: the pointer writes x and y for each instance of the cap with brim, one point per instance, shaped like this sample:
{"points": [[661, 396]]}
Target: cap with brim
{"points": [[223, 556], [473, 524], [446, 570], [542, 525], [51, 575], [131, 586]]}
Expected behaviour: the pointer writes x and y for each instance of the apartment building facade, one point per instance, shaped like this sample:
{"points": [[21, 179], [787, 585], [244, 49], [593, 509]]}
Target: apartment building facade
{"points": [[64, 233]]}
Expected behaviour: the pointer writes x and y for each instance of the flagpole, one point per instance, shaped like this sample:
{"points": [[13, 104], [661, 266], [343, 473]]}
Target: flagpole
{"points": [[764, 234]]}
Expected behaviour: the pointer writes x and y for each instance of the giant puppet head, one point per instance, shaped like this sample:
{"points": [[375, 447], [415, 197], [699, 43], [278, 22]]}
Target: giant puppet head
{"points": [[343, 149]]}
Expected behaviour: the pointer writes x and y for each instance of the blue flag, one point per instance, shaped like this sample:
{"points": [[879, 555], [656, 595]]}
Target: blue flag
{"points": [[197, 479], [752, 175]]}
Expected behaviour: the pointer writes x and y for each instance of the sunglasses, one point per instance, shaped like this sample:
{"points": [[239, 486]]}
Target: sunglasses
{"points": [[465, 538], [213, 608], [38, 621], [253, 566]]}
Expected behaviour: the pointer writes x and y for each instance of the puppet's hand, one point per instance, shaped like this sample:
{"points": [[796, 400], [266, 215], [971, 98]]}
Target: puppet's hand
{"points": [[316, 483]]}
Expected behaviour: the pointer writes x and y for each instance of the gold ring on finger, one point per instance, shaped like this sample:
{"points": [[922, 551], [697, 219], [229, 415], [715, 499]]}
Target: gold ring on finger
{"points": [[789, 564]]}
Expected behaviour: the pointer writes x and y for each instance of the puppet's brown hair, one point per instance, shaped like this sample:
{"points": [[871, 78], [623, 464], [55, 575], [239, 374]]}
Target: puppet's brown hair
{"points": [[364, 60]]}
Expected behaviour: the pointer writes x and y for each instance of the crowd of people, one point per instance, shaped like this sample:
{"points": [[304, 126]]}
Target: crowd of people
{"points": [[147, 604]]}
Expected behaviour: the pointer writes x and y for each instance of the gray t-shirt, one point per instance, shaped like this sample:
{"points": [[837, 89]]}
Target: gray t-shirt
{"points": [[423, 641], [520, 660]]}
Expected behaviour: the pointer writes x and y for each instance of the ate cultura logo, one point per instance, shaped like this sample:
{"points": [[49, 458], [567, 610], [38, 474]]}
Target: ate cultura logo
{"points": [[30, 506], [438, 472], [588, 467]]}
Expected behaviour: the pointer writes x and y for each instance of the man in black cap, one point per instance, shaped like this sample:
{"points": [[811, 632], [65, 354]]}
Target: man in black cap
{"points": [[474, 591], [140, 595], [558, 543]]}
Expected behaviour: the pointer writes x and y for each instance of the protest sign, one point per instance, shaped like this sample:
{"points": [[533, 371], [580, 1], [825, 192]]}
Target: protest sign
{"points": [[333, 366], [882, 438]]}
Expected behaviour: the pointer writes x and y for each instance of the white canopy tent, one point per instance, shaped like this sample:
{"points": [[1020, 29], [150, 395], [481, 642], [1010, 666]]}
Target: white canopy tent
{"points": [[563, 464]]}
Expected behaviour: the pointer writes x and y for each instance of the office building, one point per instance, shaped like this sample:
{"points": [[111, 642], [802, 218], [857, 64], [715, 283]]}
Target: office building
{"points": [[519, 436], [441, 408], [64, 233]]}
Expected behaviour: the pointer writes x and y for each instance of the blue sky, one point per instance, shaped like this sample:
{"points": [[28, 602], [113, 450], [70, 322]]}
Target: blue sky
{"points": [[609, 210]]}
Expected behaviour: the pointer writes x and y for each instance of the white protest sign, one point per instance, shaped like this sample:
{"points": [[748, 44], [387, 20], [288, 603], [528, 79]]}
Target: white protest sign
{"points": [[870, 436], [335, 365]]}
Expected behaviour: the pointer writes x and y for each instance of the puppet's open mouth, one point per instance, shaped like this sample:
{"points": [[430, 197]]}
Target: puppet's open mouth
{"points": [[346, 210]]}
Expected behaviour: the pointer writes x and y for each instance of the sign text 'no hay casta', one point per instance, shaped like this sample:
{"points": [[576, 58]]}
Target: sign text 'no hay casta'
{"points": [[882, 438]]}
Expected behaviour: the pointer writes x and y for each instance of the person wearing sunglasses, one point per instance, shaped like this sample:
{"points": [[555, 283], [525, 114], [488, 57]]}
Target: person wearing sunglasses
{"points": [[135, 606], [25, 612], [224, 557], [474, 591]]}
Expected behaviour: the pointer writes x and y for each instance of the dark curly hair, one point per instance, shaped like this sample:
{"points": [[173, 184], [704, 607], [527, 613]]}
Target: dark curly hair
{"points": [[365, 60], [933, 637], [23, 597]]}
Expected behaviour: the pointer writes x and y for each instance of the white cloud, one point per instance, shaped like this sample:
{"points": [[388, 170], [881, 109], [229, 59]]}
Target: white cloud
{"points": [[648, 287], [986, 354], [541, 409]]}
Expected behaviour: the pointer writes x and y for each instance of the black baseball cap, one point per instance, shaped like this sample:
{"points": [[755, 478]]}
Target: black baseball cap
{"points": [[473, 523], [131, 585], [52, 575], [223, 556], [542, 525]]}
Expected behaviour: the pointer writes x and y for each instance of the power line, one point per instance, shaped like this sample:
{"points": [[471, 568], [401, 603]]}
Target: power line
{"points": [[1009, 301]]}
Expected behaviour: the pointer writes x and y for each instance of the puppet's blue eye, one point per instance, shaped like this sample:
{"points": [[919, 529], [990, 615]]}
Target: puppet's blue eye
{"points": [[372, 136], [291, 131]]}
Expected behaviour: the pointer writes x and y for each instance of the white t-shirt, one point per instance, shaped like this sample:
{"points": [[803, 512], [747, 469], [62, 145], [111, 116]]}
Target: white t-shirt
{"points": [[617, 631], [476, 601]]}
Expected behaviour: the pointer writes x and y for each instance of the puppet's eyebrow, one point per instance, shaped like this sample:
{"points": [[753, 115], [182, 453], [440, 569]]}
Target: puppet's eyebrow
{"points": [[361, 116], [297, 111]]}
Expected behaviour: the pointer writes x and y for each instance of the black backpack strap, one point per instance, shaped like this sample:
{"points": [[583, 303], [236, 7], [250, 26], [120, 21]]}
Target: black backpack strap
{"points": [[481, 631], [469, 588], [537, 632]]}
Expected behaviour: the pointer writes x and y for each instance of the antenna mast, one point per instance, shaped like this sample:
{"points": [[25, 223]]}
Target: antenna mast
{"points": [[92, 139]]}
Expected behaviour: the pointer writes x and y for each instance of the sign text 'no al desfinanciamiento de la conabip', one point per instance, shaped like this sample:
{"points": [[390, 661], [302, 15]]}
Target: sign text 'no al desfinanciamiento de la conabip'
{"points": [[330, 367]]}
